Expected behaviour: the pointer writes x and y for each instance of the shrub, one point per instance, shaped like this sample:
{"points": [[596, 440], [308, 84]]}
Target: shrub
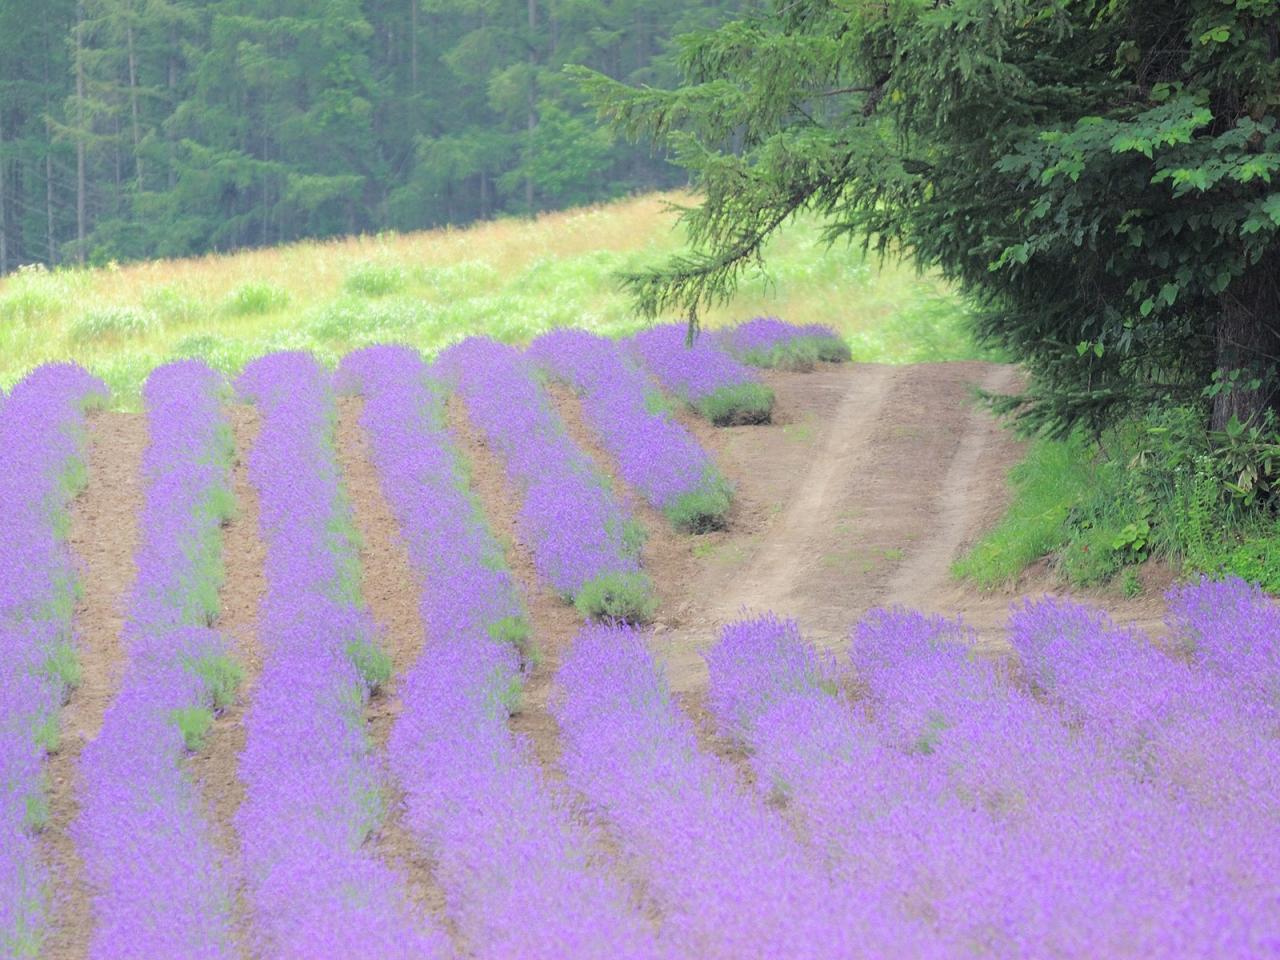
{"points": [[622, 597], [173, 306], [371, 660], [194, 722], [254, 299], [375, 280], [737, 404], [705, 508], [221, 676], [112, 323]]}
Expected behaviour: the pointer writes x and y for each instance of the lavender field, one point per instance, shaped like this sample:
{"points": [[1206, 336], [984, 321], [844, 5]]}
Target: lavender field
{"points": [[511, 763]]}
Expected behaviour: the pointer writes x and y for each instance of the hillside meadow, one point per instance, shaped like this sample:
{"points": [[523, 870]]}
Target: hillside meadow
{"points": [[511, 279]]}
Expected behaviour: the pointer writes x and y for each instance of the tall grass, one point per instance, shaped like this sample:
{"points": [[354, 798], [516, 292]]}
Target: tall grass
{"points": [[510, 279]]}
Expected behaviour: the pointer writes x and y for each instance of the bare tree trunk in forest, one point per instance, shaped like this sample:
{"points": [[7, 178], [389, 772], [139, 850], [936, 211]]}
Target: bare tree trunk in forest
{"points": [[173, 103], [533, 101], [1248, 338], [48, 166], [413, 46], [133, 101], [4, 208], [48, 206], [81, 252]]}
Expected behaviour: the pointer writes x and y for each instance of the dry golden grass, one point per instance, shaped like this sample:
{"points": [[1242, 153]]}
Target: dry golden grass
{"points": [[510, 279]]}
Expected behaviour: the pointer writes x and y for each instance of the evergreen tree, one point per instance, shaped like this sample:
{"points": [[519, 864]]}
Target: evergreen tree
{"points": [[1096, 174]]}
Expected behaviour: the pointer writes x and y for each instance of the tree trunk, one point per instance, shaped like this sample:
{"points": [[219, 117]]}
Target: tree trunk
{"points": [[133, 101], [1248, 339], [533, 102], [81, 233], [48, 205], [4, 208], [173, 105], [413, 46]]}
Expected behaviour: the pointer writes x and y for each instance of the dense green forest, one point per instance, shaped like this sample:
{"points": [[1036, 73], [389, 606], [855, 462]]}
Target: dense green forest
{"points": [[156, 128]]}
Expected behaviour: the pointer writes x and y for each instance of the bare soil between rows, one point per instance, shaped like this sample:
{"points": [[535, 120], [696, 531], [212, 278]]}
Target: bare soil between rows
{"points": [[868, 484]]}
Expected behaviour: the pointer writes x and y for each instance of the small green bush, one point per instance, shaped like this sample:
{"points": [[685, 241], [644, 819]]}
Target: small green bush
{"points": [[173, 306], [221, 676], [626, 597], [743, 403], [703, 509], [515, 631], [1256, 560], [255, 299], [371, 660], [800, 355], [47, 733], [62, 666], [26, 305], [35, 816], [195, 723], [111, 323], [375, 280]]}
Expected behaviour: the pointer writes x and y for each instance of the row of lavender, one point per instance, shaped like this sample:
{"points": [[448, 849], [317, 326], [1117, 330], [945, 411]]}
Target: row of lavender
{"points": [[513, 863], [1113, 799], [160, 887], [312, 790], [42, 444]]}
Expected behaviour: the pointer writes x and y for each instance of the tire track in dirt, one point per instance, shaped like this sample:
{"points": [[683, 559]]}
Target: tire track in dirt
{"points": [[216, 768], [103, 536], [667, 556], [553, 626], [923, 580], [389, 585]]}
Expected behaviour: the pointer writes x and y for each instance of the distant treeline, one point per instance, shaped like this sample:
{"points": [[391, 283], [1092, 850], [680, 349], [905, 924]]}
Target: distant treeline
{"points": [[149, 128]]}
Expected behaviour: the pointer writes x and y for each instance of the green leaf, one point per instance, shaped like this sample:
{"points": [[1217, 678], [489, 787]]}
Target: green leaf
{"points": [[1169, 293], [1146, 307], [1216, 35]]}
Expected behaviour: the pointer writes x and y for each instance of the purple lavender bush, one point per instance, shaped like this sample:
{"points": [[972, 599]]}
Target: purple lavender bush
{"points": [[1203, 776], [703, 375], [312, 792], [726, 872], [1232, 629], [655, 454], [584, 544], [42, 430], [770, 342], [512, 863], [162, 890]]}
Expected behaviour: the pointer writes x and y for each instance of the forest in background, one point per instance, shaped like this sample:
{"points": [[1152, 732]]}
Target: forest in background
{"points": [[134, 129]]}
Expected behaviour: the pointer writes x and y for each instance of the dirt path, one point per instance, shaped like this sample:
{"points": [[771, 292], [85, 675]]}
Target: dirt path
{"points": [[390, 589], [103, 537], [215, 769], [867, 487]]}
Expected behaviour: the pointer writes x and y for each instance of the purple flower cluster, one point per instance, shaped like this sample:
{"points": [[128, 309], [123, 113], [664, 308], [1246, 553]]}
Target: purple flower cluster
{"points": [[770, 342], [581, 538], [512, 863], [702, 375], [42, 467], [949, 794], [1232, 629], [161, 888], [311, 790], [655, 454], [725, 871]]}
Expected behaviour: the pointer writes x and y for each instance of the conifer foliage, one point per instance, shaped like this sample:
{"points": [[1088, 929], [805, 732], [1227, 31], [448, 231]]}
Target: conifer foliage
{"points": [[1098, 176]]}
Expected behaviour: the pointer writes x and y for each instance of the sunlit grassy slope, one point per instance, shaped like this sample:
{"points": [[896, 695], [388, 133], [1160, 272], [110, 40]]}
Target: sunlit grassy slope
{"points": [[510, 279]]}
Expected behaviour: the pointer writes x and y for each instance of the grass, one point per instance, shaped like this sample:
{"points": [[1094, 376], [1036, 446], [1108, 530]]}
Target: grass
{"points": [[743, 403], [626, 597], [511, 279], [1047, 485]]}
